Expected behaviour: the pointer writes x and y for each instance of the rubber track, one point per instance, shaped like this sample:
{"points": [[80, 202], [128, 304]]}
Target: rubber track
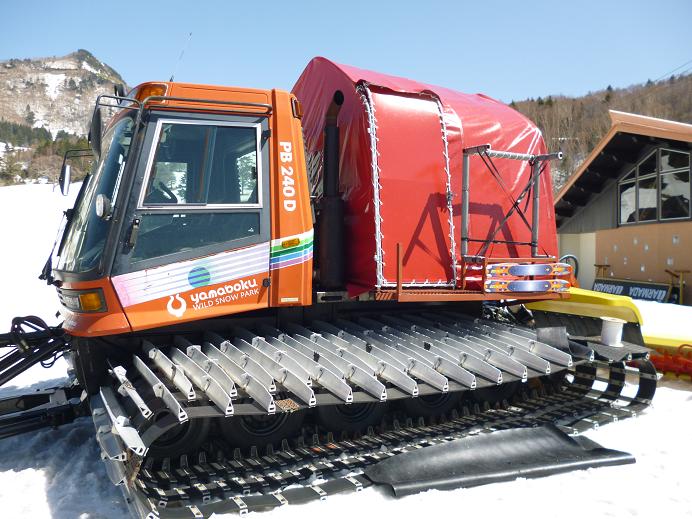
{"points": [[207, 483]]}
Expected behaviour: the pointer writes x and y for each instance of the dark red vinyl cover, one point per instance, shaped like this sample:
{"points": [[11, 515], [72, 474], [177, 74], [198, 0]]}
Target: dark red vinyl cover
{"points": [[412, 122]]}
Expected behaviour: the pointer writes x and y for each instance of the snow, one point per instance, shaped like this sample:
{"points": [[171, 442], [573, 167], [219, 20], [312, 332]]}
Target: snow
{"points": [[61, 64], [665, 321], [88, 67], [53, 83], [58, 473], [8, 147]]}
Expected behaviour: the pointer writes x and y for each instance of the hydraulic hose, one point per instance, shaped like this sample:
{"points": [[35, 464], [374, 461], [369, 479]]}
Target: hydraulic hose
{"points": [[30, 341]]}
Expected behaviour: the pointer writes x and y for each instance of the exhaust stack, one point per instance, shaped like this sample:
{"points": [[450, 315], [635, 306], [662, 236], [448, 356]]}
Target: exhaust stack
{"points": [[331, 219]]}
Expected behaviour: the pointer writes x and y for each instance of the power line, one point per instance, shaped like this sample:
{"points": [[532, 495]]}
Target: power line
{"points": [[676, 68], [658, 86]]}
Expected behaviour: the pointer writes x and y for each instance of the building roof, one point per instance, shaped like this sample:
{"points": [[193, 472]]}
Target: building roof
{"points": [[628, 136]]}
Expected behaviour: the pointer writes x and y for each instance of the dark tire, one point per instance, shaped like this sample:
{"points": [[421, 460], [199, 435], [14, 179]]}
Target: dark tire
{"points": [[431, 405], [492, 395], [350, 418], [261, 430], [181, 439]]}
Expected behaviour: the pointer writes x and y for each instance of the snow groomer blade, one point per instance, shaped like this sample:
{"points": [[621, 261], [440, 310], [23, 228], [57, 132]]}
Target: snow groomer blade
{"points": [[491, 458]]}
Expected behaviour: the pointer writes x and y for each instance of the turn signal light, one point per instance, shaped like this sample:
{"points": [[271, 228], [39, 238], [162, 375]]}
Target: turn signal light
{"points": [[83, 300], [151, 90], [293, 242], [90, 301]]}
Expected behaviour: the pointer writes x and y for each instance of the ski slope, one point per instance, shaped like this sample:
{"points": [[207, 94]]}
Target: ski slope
{"points": [[58, 473]]}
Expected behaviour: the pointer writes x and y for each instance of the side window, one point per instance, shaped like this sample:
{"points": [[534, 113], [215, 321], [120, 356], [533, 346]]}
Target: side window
{"points": [[203, 164], [203, 188]]}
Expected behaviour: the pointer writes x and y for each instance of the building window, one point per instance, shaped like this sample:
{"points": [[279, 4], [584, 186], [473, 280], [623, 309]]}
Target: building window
{"points": [[628, 198], [675, 184], [656, 189]]}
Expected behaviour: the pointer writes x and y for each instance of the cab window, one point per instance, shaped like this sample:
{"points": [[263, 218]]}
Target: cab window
{"points": [[204, 164]]}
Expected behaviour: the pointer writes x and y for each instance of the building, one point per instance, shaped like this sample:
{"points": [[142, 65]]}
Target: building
{"points": [[627, 207]]}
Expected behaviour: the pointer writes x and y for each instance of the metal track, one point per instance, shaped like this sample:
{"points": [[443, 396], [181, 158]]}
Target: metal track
{"points": [[359, 360]]}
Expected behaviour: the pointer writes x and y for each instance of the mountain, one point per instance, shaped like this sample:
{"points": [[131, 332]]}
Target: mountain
{"points": [[41, 98], [576, 124], [55, 93]]}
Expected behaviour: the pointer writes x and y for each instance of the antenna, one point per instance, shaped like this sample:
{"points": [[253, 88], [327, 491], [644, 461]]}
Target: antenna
{"points": [[180, 58]]}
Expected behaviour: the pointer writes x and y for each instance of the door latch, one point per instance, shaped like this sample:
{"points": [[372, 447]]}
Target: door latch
{"points": [[134, 231]]}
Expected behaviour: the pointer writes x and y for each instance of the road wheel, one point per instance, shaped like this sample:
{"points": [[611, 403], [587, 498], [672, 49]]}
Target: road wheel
{"points": [[431, 405], [261, 430], [350, 418], [181, 439]]}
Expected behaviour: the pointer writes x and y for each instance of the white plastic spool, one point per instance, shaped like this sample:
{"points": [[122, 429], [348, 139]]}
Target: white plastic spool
{"points": [[611, 331]]}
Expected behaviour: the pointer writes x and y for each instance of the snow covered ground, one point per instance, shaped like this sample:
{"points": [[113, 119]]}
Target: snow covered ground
{"points": [[665, 321], [58, 473]]}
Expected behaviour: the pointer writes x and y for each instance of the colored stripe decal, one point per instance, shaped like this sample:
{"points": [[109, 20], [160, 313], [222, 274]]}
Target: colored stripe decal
{"points": [[293, 255], [288, 263], [281, 257], [149, 284], [146, 285], [300, 247]]}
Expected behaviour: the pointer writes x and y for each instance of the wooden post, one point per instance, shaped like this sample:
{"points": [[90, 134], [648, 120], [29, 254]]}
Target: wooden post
{"points": [[680, 275], [601, 269]]}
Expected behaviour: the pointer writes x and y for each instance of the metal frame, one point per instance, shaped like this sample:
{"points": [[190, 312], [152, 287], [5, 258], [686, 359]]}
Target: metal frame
{"points": [[77, 153], [533, 185], [266, 108]]}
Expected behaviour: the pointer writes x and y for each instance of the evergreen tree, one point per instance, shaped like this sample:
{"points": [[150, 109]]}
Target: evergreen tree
{"points": [[29, 116]]}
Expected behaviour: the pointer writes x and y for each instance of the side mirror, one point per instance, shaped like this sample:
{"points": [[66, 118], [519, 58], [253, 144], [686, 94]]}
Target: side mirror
{"points": [[66, 170], [64, 179], [95, 132]]}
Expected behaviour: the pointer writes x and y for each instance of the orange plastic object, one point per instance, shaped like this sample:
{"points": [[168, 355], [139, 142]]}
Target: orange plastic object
{"points": [[677, 364]]}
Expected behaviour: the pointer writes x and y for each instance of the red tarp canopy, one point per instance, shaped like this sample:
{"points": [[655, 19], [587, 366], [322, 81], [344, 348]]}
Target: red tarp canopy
{"points": [[420, 132]]}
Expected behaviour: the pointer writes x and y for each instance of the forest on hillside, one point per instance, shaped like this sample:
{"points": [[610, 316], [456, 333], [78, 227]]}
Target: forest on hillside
{"points": [[576, 124], [30, 153]]}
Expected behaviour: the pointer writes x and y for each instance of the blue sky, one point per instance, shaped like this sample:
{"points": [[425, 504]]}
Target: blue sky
{"points": [[506, 49]]}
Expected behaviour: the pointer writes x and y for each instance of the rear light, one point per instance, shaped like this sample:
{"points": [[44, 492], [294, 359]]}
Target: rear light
{"points": [[151, 90], [90, 300]]}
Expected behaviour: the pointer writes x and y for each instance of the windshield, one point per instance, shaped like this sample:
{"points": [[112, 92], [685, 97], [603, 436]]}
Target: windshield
{"points": [[86, 236]]}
